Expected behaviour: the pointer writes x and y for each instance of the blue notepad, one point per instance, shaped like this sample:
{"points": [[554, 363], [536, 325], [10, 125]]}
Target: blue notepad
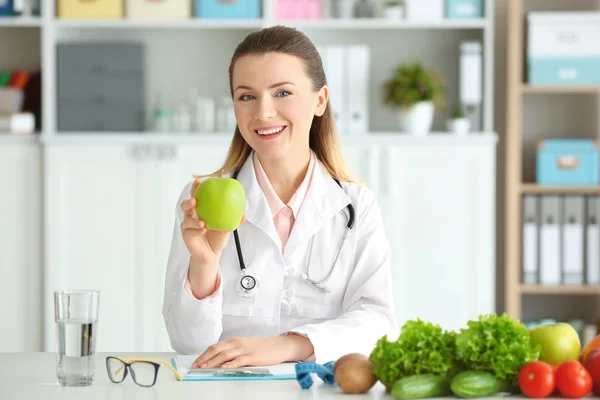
{"points": [[182, 363]]}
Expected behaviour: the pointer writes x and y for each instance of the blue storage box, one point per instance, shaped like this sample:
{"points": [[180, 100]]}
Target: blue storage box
{"points": [[570, 71], [568, 162], [228, 9], [464, 9], [6, 8]]}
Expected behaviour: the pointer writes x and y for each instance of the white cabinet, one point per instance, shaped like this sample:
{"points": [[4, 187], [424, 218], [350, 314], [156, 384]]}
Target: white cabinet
{"points": [[21, 205], [438, 204], [437, 197], [109, 220], [103, 219]]}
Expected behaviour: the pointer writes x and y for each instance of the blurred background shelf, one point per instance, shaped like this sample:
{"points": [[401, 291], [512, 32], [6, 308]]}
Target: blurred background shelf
{"points": [[197, 23], [593, 290], [445, 139], [534, 188], [561, 89], [321, 24], [17, 22]]}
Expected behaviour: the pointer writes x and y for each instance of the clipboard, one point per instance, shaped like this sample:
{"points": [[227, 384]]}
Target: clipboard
{"points": [[182, 363]]}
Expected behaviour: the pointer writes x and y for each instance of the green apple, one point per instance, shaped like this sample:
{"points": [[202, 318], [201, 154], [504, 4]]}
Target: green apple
{"points": [[559, 342], [220, 203]]}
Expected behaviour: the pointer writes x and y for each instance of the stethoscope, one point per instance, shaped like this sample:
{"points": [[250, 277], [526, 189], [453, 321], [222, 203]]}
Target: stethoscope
{"points": [[248, 284]]}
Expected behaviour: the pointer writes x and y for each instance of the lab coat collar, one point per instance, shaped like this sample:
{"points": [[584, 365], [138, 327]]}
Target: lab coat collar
{"points": [[323, 200]]}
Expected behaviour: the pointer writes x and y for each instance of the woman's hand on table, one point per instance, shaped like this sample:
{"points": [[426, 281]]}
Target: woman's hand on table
{"points": [[241, 352]]}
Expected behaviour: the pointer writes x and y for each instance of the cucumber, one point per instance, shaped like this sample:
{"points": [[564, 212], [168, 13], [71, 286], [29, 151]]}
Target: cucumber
{"points": [[421, 386], [472, 384]]}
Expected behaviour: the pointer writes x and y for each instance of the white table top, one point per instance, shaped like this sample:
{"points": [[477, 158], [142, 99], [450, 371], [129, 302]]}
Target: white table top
{"points": [[26, 376]]}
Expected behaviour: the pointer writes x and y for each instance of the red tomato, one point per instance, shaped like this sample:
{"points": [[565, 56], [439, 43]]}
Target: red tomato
{"points": [[537, 380], [573, 380], [592, 365]]}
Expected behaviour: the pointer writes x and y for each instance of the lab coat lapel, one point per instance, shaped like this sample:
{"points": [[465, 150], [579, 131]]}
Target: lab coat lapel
{"points": [[257, 209], [323, 200]]}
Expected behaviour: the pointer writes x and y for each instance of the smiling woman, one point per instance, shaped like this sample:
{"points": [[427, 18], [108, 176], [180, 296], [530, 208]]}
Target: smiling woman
{"points": [[274, 119], [311, 240]]}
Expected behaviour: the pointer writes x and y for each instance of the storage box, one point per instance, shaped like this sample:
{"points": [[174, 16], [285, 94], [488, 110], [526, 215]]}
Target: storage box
{"points": [[424, 10], [568, 162], [298, 9], [6, 8], [464, 9], [249, 9], [96, 9], [101, 87], [563, 48], [158, 9]]}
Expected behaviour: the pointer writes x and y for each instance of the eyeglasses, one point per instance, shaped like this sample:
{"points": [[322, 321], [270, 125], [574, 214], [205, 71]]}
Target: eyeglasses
{"points": [[143, 371]]}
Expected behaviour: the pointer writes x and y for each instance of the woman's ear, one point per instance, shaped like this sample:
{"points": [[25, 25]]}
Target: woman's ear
{"points": [[322, 97]]}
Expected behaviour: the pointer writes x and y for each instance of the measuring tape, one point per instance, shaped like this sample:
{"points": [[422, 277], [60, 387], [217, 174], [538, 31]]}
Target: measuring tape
{"points": [[304, 369]]}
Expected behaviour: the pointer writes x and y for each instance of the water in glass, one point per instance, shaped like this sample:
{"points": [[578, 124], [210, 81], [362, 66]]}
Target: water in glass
{"points": [[76, 344]]}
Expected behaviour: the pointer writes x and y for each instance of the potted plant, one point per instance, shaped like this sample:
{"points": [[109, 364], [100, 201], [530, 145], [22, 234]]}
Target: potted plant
{"points": [[459, 123], [416, 92], [392, 9]]}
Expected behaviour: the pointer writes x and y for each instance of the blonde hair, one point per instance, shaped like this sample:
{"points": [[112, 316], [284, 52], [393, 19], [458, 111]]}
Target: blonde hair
{"points": [[324, 139]]}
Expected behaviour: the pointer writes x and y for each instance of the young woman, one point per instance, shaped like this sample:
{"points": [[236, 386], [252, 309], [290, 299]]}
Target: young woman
{"points": [[306, 276]]}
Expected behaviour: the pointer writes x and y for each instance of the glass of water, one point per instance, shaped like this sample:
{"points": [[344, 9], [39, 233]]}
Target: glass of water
{"points": [[76, 316]]}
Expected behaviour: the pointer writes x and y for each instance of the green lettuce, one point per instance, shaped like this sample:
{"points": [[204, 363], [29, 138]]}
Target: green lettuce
{"points": [[421, 348], [497, 344]]}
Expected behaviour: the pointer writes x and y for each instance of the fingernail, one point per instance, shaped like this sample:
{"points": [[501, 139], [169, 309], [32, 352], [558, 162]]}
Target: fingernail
{"points": [[203, 365]]}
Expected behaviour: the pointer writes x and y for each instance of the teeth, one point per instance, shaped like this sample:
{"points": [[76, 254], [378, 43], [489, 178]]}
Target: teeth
{"points": [[270, 131]]}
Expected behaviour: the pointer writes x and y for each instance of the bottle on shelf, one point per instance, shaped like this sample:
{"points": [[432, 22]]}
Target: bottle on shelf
{"points": [[161, 116], [203, 112], [182, 119]]}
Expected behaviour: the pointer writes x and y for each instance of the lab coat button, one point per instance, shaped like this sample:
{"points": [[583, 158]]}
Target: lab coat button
{"points": [[289, 292], [289, 271]]}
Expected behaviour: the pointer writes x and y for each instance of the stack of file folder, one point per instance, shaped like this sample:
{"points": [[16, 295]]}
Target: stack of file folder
{"points": [[561, 239]]}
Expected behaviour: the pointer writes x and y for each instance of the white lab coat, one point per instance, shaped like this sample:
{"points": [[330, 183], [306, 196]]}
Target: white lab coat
{"points": [[356, 310]]}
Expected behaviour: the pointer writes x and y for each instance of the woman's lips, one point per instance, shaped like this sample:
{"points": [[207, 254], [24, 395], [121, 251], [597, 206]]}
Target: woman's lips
{"points": [[270, 132]]}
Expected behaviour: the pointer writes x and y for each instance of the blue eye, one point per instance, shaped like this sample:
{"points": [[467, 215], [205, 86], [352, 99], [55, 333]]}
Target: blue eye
{"points": [[284, 93], [246, 97]]}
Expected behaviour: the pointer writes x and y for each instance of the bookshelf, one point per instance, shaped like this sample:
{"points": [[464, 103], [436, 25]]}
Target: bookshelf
{"points": [[435, 42], [519, 180]]}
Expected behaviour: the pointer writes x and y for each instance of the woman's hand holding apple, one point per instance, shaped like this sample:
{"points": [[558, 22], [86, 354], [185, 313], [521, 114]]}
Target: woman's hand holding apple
{"points": [[205, 246]]}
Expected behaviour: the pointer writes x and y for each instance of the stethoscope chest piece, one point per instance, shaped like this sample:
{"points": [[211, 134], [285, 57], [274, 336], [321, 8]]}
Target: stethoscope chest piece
{"points": [[247, 285]]}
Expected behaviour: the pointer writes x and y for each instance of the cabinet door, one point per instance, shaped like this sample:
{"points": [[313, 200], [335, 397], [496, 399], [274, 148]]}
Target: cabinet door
{"points": [[175, 169], [20, 247], [363, 161], [438, 205], [93, 224]]}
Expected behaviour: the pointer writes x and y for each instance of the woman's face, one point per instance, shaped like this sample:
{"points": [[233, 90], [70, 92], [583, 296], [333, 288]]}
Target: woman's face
{"points": [[275, 104]]}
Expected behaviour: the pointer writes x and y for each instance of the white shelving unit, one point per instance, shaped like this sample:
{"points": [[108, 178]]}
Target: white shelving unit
{"points": [[184, 42]]}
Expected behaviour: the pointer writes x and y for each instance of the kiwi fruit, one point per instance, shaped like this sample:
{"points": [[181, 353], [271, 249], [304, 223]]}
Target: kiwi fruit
{"points": [[355, 375]]}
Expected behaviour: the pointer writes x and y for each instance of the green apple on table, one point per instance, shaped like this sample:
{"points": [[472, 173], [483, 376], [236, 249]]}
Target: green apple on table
{"points": [[220, 203], [559, 342]]}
